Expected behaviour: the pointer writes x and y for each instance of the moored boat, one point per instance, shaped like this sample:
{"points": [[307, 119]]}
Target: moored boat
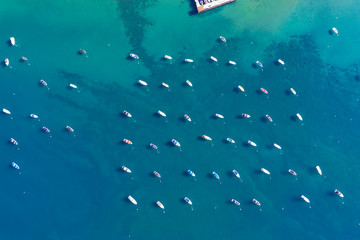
{"points": [[125, 169], [206, 137], [222, 38], [241, 88], [265, 171], [141, 82], [12, 41], [281, 62], [292, 172], [338, 193], [43, 82], [176, 143], [160, 205], [73, 86], [215, 175], [13, 141], [157, 174], [127, 114], [235, 202], [14, 165], [259, 64], [236, 173], [131, 199], [187, 117], [277, 146], [6, 62], [6, 111], [269, 118], [213, 58], [293, 91], [188, 200], [305, 199], [70, 129], [219, 115], [161, 113], [232, 62], [127, 141], [133, 55], [252, 143], [318, 169], [189, 83], [264, 90], [256, 202], [168, 57], [244, 115], [335, 31], [34, 116], [299, 116], [230, 140], [24, 59], [153, 146], [45, 129], [165, 85], [189, 60], [191, 173]]}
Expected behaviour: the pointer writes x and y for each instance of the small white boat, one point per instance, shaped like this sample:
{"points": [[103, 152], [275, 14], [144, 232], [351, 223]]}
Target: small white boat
{"points": [[191, 173], [259, 64], [244, 115], [232, 63], [12, 41], [176, 143], [206, 137], [6, 111], [256, 202], [188, 200], [318, 169], [230, 140], [73, 86], [153, 146], [168, 57], [241, 88], [216, 175], [43, 82], [338, 193], [34, 116], [264, 90], [281, 62], [252, 143], [265, 171], [189, 83], [127, 141], [235, 202], [292, 172], [161, 113], [125, 169], [70, 129], [335, 31], [299, 116], [160, 205], [6, 62], [141, 82], [293, 91], [165, 85], [157, 174], [187, 117], [219, 115], [14, 165], [305, 199], [45, 129], [189, 60], [133, 55], [127, 114], [82, 52], [13, 141], [222, 38], [236, 173], [277, 146], [213, 58], [24, 59], [132, 200], [269, 118]]}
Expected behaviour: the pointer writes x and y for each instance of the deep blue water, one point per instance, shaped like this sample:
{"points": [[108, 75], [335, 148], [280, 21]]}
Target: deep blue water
{"points": [[70, 186]]}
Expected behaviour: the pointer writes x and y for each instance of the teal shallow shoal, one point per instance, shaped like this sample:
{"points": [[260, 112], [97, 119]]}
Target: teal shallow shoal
{"points": [[70, 186]]}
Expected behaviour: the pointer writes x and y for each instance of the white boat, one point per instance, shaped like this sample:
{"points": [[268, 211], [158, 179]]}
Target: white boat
{"points": [[338, 193], [277, 146], [206, 137], [161, 113], [189, 60], [126, 169], [6, 111], [318, 169], [168, 57], [292, 172], [219, 115], [213, 58], [165, 85], [70, 129], [73, 86], [235, 202], [142, 82], [12, 41], [34, 116], [269, 118], [265, 171], [299, 116], [335, 31], [43, 82], [127, 114], [45, 129], [293, 91], [6, 62], [256, 202], [191, 173], [259, 64], [160, 205], [157, 174], [133, 55], [305, 199], [241, 88], [232, 63], [14, 165], [281, 62], [153, 146], [187, 117], [13, 141], [176, 143], [132, 200], [189, 83], [188, 200], [222, 38], [230, 140], [252, 143], [236, 173], [244, 115]]}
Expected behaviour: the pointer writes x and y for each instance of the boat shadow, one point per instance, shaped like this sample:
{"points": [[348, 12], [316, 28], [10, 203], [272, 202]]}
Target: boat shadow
{"points": [[254, 65], [330, 32], [276, 63], [259, 92], [263, 119], [245, 144], [287, 92], [8, 42], [293, 118], [193, 8], [209, 176]]}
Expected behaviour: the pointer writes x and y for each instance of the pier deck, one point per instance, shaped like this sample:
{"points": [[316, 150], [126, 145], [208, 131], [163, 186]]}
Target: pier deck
{"points": [[204, 5]]}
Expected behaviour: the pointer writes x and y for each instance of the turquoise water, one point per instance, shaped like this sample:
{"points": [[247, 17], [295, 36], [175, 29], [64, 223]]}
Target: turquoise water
{"points": [[71, 187]]}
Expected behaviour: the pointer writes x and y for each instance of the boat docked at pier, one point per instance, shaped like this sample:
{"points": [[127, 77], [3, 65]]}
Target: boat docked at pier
{"points": [[235, 202], [131, 199], [252, 143], [125, 169], [176, 143], [133, 55], [127, 141], [206, 137], [338, 193], [127, 114], [187, 117], [188, 200], [269, 118]]}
